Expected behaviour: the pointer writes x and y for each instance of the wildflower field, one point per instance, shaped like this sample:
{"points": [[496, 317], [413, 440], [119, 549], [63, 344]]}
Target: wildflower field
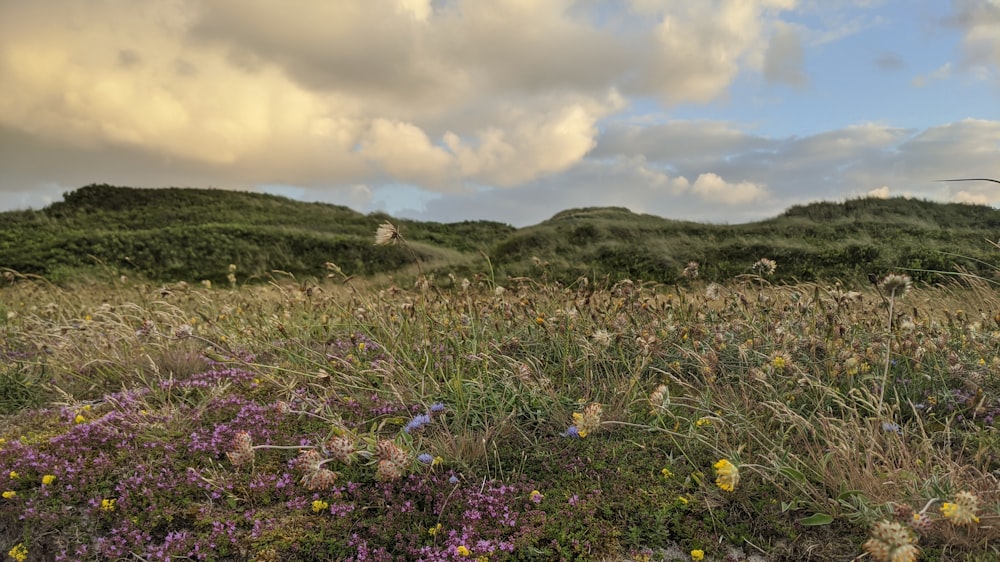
{"points": [[465, 419]]}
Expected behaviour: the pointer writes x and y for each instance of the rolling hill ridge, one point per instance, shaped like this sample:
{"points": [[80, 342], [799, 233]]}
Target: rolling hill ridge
{"points": [[188, 234]]}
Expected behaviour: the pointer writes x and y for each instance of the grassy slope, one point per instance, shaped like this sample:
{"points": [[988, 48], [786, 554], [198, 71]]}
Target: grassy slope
{"points": [[192, 234]]}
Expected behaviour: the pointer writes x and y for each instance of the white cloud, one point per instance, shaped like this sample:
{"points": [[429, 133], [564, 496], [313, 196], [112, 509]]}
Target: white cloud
{"points": [[879, 192], [526, 145], [711, 187], [978, 198], [698, 47], [404, 152]]}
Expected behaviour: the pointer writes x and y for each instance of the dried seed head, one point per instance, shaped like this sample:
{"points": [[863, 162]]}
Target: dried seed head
{"points": [[388, 470], [341, 448], [892, 542], [896, 285], [764, 266], [387, 234], [321, 479], [309, 460], [242, 449]]}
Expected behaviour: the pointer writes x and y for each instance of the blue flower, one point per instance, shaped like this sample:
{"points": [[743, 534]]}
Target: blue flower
{"points": [[891, 427], [437, 408], [573, 431], [453, 479], [417, 422], [425, 458]]}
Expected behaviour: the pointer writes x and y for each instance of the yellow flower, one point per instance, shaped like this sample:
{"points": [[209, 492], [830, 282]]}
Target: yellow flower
{"points": [[79, 418], [697, 554], [536, 496], [108, 504], [779, 362], [14, 475], [963, 510], [727, 476], [589, 420], [683, 500], [9, 495], [462, 551], [703, 421], [434, 530], [19, 552], [48, 479], [319, 505], [666, 473]]}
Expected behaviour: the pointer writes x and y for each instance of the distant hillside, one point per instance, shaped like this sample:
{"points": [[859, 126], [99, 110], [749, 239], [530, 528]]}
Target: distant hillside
{"points": [[194, 234], [820, 240]]}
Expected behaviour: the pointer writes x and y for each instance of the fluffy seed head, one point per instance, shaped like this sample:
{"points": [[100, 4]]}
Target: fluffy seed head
{"points": [[896, 285], [387, 234], [892, 542]]}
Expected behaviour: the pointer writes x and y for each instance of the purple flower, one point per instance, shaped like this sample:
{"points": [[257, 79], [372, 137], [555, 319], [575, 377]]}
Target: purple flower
{"points": [[572, 432], [437, 408], [453, 479], [425, 458]]}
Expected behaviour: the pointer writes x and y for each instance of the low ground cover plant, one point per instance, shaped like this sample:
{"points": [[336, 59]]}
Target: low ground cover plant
{"points": [[461, 419]]}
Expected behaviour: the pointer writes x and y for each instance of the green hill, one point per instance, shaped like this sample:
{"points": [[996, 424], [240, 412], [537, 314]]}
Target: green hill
{"points": [[193, 234]]}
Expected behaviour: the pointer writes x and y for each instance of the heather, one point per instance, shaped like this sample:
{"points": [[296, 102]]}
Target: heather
{"points": [[452, 418]]}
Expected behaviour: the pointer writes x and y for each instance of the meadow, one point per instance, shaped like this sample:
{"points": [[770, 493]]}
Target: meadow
{"points": [[469, 417]]}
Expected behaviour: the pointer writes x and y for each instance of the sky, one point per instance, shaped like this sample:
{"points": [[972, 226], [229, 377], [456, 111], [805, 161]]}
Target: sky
{"points": [[721, 111]]}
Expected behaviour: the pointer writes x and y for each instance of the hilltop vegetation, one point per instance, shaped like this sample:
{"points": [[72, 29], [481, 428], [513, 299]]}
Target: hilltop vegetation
{"points": [[194, 234]]}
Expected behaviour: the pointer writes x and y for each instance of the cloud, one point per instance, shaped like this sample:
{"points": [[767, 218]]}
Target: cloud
{"points": [[697, 48], [989, 197], [979, 22], [711, 187], [688, 169], [525, 145], [404, 152], [889, 61], [942, 72], [879, 193], [784, 59], [507, 108]]}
